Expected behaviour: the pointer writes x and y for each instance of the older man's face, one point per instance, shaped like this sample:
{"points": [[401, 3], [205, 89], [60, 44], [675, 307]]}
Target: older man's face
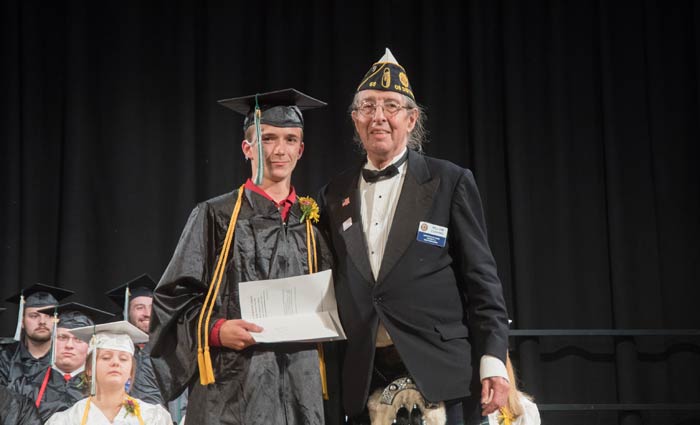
{"points": [[140, 312], [383, 135]]}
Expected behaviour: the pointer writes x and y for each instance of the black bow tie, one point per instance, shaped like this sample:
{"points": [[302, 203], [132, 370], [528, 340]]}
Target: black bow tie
{"points": [[372, 176]]}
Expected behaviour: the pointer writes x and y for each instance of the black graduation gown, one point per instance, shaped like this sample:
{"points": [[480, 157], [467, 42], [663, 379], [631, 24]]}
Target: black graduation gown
{"points": [[17, 410], [59, 394], [145, 386], [18, 366], [263, 384]]}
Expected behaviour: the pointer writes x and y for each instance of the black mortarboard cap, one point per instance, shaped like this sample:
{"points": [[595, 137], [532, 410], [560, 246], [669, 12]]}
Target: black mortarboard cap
{"points": [[280, 108], [75, 315], [40, 295], [141, 286]]}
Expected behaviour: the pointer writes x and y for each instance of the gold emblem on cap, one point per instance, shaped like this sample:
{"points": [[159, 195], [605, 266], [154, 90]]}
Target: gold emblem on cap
{"points": [[386, 78], [403, 78]]}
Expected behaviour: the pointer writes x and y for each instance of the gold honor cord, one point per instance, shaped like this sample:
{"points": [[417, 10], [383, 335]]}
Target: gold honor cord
{"points": [[313, 268], [206, 371], [87, 410]]}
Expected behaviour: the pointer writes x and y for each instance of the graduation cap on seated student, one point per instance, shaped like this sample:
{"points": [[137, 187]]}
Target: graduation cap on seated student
{"points": [[71, 316], [119, 336], [37, 295], [68, 316], [141, 286], [280, 108]]}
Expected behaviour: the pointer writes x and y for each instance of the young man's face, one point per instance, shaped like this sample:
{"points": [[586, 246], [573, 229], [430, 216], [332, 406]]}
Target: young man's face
{"points": [[140, 312], [282, 148], [37, 326], [71, 352]]}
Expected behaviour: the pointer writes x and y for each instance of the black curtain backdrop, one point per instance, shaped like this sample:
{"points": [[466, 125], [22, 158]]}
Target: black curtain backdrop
{"points": [[578, 118]]}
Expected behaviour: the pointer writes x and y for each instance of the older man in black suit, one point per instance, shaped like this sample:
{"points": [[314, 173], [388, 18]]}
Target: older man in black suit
{"points": [[416, 282]]}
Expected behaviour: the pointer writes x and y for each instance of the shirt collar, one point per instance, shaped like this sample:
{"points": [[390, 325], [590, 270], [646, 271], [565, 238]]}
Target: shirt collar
{"points": [[284, 205], [370, 166]]}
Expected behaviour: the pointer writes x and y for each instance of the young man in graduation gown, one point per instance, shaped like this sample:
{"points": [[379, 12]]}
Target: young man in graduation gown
{"points": [[64, 382], [252, 384], [416, 283], [28, 357]]}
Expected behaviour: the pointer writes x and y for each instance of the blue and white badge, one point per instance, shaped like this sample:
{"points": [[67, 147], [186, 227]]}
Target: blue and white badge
{"points": [[432, 234]]}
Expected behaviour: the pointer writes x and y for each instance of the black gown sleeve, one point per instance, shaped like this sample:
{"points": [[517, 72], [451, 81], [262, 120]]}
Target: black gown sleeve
{"points": [[17, 410], [177, 301], [145, 386]]}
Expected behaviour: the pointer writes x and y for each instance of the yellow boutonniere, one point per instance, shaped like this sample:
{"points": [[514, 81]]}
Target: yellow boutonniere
{"points": [[309, 209], [132, 407]]}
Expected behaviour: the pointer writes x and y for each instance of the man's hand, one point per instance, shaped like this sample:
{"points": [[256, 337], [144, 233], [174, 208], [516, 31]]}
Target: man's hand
{"points": [[494, 394], [235, 334]]}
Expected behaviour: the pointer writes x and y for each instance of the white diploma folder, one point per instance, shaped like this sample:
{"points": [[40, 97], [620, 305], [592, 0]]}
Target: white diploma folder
{"points": [[299, 308]]}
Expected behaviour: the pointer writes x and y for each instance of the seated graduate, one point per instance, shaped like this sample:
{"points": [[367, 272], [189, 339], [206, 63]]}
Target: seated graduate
{"points": [[135, 297], [110, 365], [64, 382], [28, 356], [260, 231], [14, 408]]}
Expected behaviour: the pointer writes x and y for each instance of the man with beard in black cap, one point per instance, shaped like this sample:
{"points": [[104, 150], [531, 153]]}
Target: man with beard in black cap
{"points": [[14, 408], [28, 356]]}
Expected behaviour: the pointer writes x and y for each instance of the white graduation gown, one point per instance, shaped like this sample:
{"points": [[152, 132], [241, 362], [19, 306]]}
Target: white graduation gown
{"points": [[152, 414]]}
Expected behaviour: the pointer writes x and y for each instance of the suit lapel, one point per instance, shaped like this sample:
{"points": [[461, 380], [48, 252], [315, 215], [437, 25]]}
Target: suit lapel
{"points": [[348, 207], [415, 201]]}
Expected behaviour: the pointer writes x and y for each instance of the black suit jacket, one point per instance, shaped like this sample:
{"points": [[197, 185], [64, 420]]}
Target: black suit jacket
{"points": [[442, 307]]}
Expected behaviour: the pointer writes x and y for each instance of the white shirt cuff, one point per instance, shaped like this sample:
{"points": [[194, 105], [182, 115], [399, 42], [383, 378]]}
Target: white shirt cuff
{"points": [[492, 366]]}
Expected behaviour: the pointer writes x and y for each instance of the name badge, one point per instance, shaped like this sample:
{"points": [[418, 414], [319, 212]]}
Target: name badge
{"points": [[432, 234]]}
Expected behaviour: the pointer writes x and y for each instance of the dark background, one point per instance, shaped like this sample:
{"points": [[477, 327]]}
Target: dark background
{"points": [[578, 118]]}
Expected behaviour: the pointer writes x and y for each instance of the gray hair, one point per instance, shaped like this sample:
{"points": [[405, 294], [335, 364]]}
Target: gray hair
{"points": [[416, 138]]}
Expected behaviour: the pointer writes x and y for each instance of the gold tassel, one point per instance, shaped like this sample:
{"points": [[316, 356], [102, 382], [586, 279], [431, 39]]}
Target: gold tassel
{"points": [[200, 363], [206, 371], [208, 367], [322, 369], [313, 267]]}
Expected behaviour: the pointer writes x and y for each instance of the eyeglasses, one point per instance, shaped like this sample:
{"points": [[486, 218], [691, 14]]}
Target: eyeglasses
{"points": [[390, 108], [65, 338]]}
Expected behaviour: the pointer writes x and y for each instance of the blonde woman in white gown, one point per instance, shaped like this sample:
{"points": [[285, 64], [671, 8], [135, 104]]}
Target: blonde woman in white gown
{"points": [[110, 364], [520, 409]]}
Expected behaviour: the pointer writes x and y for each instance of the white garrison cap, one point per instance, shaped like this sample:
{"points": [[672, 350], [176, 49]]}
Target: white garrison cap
{"points": [[119, 336]]}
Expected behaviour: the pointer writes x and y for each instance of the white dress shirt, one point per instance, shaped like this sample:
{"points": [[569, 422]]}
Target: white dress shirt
{"points": [[378, 204]]}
